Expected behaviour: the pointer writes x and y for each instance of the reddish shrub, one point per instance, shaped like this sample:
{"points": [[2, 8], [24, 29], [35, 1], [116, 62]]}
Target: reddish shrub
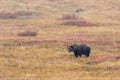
{"points": [[23, 14], [6, 15], [68, 16], [73, 20], [77, 23], [27, 33]]}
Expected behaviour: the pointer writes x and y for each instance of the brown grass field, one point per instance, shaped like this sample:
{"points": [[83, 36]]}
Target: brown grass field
{"points": [[34, 36]]}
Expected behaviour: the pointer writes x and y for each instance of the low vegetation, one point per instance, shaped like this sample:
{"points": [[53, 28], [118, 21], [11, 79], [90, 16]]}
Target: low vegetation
{"points": [[45, 56], [73, 20], [27, 33]]}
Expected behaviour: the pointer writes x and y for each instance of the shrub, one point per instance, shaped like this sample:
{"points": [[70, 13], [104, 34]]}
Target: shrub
{"points": [[68, 16], [73, 20], [77, 23], [27, 33], [5, 15], [19, 14]]}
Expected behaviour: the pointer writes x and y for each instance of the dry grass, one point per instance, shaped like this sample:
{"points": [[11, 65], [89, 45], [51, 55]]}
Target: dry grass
{"points": [[45, 57]]}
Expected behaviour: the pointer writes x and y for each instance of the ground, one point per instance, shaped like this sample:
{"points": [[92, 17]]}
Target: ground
{"points": [[45, 56]]}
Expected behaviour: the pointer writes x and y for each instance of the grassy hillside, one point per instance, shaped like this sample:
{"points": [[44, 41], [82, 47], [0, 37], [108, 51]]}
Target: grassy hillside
{"points": [[103, 10], [34, 36]]}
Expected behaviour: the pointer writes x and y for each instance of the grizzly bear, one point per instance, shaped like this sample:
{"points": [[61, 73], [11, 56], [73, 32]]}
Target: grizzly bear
{"points": [[80, 50]]}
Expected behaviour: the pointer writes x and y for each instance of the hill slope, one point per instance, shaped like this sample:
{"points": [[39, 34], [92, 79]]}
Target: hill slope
{"points": [[89, 9]]}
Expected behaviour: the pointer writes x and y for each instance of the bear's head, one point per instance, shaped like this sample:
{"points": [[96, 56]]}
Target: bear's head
{"points": [[72, 48]]}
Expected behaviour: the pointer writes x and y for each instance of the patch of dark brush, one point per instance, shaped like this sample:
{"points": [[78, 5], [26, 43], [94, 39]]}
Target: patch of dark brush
{"points": [[74, 20], [77, 23], [5, 15], [27, 33], [19, 14]]}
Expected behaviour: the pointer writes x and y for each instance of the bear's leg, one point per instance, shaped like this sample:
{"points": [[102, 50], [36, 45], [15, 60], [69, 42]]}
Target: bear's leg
{"points": [[80, 55], [76, 55], [88, 52]]}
